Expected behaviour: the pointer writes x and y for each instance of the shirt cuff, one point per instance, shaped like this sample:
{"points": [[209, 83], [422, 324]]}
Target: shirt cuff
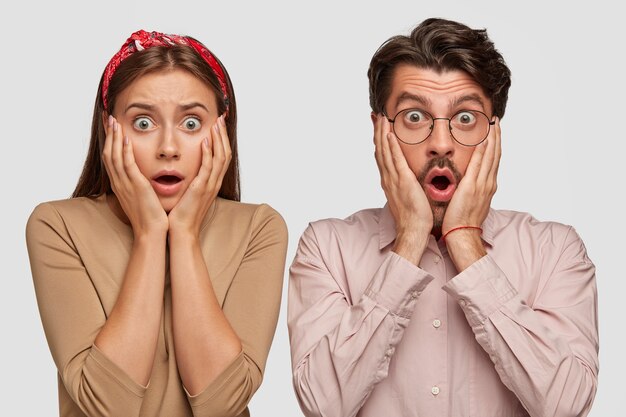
{"points": [[480, 290], [397, 285]]}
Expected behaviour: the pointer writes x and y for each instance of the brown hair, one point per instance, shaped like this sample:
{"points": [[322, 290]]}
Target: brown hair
{"points": [[441, 45], [94, 180]]}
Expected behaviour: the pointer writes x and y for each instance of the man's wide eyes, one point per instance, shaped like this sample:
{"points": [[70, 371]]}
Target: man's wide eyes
{"points": [[414, 116]]}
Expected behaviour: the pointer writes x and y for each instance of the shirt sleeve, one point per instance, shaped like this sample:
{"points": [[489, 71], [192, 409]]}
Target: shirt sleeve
{"points": [[251, 307], [546, 353], [72, 316], [340, 350]]}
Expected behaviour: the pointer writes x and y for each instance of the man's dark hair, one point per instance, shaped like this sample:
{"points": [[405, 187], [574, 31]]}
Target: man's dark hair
{"points": [[441, 45]]}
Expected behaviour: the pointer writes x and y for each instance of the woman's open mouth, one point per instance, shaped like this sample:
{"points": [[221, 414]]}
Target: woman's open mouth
{"points": [[167, 183]]}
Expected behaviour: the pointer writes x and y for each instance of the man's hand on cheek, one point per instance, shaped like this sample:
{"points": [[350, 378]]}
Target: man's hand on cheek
{"points": [[407, 201], [471, 201]]}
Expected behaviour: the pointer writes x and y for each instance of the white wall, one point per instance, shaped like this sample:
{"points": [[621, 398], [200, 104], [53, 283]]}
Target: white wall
{"points": [[305, 135]]}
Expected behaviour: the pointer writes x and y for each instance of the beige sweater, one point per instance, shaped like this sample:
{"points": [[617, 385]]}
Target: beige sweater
{"points": [[78, 253]]}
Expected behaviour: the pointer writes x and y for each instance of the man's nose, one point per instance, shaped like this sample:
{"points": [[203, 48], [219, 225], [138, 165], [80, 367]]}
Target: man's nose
{"points": [[440, 143]]}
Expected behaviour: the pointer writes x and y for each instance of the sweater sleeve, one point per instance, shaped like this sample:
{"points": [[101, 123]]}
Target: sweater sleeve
{"points": [[251, 306], [72, 315]]}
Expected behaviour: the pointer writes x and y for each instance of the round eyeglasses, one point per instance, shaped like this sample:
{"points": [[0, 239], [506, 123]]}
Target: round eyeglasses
{"points": [[467, 127]]}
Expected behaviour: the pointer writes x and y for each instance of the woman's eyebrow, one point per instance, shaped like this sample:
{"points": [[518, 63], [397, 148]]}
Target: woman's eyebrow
{"points": [[142, 106], [150, 107], [189, 106]]}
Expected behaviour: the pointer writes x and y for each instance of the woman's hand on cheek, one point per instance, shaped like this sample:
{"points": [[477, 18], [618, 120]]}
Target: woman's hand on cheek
{"points": [[133, 191], [186, 217]]}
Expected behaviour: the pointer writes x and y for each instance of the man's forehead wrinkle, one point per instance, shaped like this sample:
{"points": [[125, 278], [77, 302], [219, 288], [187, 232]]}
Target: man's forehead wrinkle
{"points": [[421, 82]]}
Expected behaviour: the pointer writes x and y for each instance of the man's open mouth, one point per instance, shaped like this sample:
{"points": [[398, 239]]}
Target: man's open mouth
{"points": [[440, 184]]}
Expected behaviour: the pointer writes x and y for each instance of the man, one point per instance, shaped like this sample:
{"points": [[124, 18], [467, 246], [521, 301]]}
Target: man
{"points": [[436, 304]]}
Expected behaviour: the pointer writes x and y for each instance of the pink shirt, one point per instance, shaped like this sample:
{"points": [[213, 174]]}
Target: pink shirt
{"points": [[372, 335]]}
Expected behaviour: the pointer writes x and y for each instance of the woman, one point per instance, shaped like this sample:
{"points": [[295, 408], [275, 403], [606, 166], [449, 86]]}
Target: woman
{"points": [[158, 290]]}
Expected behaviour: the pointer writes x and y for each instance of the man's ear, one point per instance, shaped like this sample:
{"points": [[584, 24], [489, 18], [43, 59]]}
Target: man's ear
{"points": [[374, 116]]}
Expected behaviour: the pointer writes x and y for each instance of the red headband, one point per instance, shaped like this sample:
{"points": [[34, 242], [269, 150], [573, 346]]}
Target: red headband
{"points": [[141, 40]]}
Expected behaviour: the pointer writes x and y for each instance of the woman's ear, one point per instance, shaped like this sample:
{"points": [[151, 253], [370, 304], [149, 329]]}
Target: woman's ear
{"points": [[105, 120]]}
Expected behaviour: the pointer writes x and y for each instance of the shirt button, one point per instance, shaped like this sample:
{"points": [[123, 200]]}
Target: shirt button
{"points": [[389, 352], [414, 294], [437, 259], [435, 390], [436, 323], [462, 302]]}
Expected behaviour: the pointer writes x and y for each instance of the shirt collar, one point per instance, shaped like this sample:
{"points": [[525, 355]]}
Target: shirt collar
{"points": [[387, 227]]}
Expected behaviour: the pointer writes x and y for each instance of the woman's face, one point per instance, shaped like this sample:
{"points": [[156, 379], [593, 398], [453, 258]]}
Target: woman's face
{"points": [[166, 115]]}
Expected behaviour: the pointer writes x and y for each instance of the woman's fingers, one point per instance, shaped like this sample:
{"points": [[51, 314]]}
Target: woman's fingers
{"points": [[117, 150], [226, 144], [221, 154], [130, 166], [207, 164], [108, 142]]}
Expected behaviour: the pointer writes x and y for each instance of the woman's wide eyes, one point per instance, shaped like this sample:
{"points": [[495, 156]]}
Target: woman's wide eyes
{"points": [[143, 123], [192, 123]]}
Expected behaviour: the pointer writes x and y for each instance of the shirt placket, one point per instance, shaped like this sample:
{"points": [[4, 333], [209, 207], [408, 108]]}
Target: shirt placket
{"points": [[435, 330]]}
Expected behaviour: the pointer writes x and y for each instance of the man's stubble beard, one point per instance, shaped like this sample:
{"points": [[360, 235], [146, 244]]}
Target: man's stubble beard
{"points": [[438, 208], [439, 212]]}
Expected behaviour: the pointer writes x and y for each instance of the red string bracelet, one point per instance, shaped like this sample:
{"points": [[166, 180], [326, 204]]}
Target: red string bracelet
{"points": [[443, 238]]}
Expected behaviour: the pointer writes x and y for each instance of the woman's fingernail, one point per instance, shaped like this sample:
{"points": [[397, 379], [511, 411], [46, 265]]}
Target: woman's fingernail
{"points": [[206, 141], [110, 120], [125, 140]]}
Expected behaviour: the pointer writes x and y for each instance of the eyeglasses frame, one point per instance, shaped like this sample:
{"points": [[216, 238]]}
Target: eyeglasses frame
{"points": [[432, 126]]}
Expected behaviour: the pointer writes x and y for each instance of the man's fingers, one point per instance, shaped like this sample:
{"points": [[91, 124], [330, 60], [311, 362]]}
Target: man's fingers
{"points": [[473, 167], [498, 154], [377, 145], [387, 157], [399, 160], [486, 164]]}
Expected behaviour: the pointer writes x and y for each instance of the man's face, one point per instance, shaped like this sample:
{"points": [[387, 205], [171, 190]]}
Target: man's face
{"points": [[439, 162]]}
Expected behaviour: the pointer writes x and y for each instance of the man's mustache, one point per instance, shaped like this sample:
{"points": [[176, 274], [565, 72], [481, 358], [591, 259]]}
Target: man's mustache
{"points": [[441, 162]]}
